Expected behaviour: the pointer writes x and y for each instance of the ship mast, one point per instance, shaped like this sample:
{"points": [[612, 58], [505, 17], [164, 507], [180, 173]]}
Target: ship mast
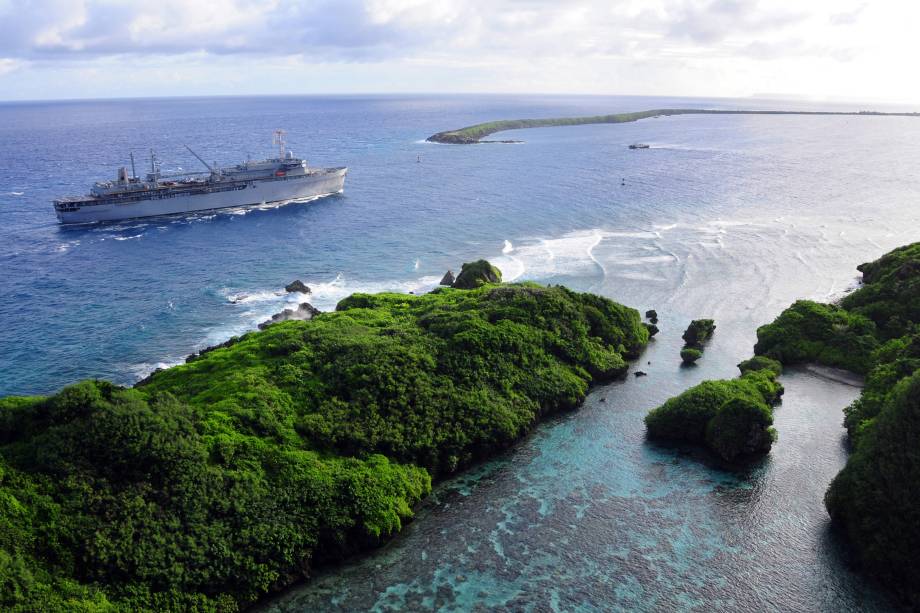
{"points": [[154, 169], [278, 139], [133, 170]]}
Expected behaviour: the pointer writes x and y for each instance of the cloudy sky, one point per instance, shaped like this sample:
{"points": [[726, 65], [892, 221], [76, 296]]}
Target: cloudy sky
{"points": [[819, 49]]}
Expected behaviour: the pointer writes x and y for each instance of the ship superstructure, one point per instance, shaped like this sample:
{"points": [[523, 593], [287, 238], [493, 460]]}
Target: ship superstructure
{"points": [[279, 179]]}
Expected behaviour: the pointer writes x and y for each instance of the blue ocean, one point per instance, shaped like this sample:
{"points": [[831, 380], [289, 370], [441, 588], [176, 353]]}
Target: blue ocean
{"points": [[729, 217]]}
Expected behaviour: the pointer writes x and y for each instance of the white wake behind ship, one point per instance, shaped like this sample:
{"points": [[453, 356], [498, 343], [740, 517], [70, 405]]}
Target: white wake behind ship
{"points": [[280, 179]]}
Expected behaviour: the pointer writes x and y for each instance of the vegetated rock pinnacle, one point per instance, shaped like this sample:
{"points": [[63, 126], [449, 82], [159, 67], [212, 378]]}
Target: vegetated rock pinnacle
{"points": [[698, 332], [474, 274]]}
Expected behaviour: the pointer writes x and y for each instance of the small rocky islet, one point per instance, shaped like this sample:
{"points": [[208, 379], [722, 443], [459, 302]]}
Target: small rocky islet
{"points": [[695, 338]]}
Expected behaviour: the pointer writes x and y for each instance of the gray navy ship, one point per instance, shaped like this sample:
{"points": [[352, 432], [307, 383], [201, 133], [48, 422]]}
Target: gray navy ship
{"points": [[278, 179]]}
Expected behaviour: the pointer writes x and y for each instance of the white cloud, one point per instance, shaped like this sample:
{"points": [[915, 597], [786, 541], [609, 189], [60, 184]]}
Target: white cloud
{"points": [[701, 47], [8, 65]]}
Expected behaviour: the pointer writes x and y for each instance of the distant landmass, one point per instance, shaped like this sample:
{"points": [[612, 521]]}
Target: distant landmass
{"points": [[471, 135]]}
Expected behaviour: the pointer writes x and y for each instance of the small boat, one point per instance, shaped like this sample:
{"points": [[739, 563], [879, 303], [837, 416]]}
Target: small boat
{"points": [[639, 146]]}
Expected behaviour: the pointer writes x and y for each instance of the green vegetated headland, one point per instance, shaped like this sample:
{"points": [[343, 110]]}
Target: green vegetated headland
{"points": [[873, 331], [474, 134], [215, 482]]}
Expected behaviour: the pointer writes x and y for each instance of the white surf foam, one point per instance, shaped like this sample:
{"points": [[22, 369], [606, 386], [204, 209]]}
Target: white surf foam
{"points": [[571, 254], [258, 296], [325, 295], [143, 369], [511, 266], [651, 259]]}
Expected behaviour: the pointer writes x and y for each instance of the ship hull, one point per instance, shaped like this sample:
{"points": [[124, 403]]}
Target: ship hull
{"points": [[244, 194]]}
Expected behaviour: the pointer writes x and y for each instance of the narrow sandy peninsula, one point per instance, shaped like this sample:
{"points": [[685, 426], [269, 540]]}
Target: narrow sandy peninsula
{"points": [[475, 134]]}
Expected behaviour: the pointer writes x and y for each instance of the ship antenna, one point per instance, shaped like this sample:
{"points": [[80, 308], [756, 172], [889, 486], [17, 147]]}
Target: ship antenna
{"points": [[279, 140], [199, 159], [133, 170]]}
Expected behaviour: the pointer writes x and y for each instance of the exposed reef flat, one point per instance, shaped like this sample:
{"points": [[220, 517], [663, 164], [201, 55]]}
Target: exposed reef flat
{"points": [[475, 134]]}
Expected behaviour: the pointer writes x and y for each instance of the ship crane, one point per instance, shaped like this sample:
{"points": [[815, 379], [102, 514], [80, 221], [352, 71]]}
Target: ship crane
{"points": [[200, 159]]}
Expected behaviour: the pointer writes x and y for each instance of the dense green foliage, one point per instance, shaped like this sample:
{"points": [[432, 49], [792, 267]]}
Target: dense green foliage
{"points": [[475, 274], [874, 331], [170, 508], [875, 497], [759, 362], [221, 479], [813, 332], [890, 294], [689, 355], [741, 427], [731, 417], [893, 361], [698, 332]]}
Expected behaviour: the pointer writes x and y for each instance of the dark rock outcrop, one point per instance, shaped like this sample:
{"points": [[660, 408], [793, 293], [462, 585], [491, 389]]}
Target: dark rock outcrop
{"points": [[297, 286], [652, 316], [448, 278], [652, 328], [303, 312]]}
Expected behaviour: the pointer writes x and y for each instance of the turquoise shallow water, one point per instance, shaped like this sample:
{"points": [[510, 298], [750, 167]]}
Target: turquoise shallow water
{"points": [[724, 217], [588, 516]]}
